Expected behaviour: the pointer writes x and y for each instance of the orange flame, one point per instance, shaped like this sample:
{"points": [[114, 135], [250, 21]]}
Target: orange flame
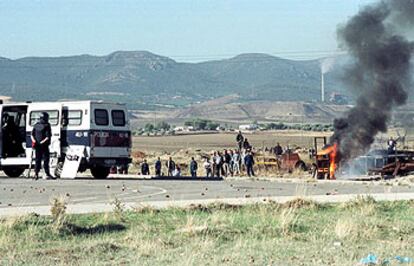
{"points": [[332, 152], [332, 159]]}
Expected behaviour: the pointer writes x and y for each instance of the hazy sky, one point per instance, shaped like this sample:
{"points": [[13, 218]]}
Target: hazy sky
{"points": [[192, 30]]}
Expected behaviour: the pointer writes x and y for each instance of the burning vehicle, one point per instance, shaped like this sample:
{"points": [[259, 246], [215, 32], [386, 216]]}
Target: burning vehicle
{"points": [[325, 160], [379, 162], [378, 42]]}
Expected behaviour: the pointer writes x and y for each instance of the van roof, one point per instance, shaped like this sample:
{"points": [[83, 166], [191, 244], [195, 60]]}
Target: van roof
{"points": [[64, 102]]}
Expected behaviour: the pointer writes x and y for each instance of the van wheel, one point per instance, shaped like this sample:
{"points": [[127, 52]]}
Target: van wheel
{"points": [[13, 171], [100, 172]]}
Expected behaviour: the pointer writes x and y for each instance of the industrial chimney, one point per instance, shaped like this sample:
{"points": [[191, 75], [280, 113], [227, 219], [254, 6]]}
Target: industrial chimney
{"points": [[322, 87], [326, 65]]}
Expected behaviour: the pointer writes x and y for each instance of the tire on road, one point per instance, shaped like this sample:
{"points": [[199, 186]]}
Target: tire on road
{"points": [[13, 171], [301, 165], [100, 172]]}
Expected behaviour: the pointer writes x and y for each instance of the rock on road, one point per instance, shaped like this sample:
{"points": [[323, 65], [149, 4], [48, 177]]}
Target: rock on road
{"points": [[21, 196]]}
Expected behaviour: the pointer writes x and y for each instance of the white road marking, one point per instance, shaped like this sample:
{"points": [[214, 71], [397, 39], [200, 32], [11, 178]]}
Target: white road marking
{"points": [[125, 196], [162, 191], [83, 199]]}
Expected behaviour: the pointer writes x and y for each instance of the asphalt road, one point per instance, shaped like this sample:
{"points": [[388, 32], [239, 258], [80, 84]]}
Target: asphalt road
{"points": [[19, 192]]}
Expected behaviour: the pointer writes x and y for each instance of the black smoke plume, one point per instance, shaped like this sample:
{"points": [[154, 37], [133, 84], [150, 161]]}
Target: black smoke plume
{"points": [[379, 75]]}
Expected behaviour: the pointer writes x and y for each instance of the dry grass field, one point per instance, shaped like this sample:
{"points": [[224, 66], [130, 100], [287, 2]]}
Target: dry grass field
{"points": [[219, 141], [299, 232]]}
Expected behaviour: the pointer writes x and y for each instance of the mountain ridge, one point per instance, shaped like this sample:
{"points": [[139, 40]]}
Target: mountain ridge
{"points": [[145, 78]]}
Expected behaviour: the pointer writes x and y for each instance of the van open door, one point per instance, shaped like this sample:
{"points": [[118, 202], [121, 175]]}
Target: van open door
{"points": [[54, 110], [1, 130]]}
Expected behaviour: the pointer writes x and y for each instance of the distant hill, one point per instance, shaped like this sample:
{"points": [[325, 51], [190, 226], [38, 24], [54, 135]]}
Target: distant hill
{"points": [[142, 79], [224, 111]]}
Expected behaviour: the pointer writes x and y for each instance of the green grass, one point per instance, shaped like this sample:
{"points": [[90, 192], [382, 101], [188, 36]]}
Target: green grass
{"points": [[297, 233]]}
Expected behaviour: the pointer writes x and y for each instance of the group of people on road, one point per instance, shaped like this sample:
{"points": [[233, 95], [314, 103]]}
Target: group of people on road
{"points": [[173, 169], [220, 164], [229, 163]]}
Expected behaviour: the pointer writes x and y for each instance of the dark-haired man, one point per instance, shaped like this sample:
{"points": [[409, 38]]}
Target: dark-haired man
{"points": [[41, 136]]}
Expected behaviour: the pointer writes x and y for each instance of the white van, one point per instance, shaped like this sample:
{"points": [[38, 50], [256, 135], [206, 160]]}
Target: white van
{"points": [[100, 130]]}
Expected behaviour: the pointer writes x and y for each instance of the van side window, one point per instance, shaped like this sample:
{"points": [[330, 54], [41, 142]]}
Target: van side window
{"points": [[53, 117], [101, 117], [73, 117], [118, 118]]}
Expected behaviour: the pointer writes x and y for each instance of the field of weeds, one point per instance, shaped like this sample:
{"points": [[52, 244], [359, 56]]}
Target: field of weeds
{"points": [[296, 233]]}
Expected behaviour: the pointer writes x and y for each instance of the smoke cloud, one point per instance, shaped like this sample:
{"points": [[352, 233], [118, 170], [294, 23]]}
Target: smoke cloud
{"points": [[327, 64], [379, 75]]}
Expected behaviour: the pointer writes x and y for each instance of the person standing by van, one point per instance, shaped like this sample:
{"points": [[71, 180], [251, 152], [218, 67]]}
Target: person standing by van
{"points": [[41, 136]]}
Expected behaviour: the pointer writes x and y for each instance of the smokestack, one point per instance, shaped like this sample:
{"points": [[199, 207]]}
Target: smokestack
{"points": [[326, 66], [322, 87], [379, 75]]}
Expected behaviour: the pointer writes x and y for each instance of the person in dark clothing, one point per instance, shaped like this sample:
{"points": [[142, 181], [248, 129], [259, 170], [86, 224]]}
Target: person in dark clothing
{"points": [[145, 168], [240, 139], [170, 167], [41, 137], [158, 166], [278, 149], [193, 167], [249, 162], [392, 146], [226, 163], [246, 145]]}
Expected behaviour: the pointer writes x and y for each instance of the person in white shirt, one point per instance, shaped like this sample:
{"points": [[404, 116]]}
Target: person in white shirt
{"points": [[207, 167], [236, 163]]}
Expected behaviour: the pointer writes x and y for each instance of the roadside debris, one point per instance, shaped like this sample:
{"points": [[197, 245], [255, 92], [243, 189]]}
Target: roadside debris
{"points": [[337, 244], [372, 259]]}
